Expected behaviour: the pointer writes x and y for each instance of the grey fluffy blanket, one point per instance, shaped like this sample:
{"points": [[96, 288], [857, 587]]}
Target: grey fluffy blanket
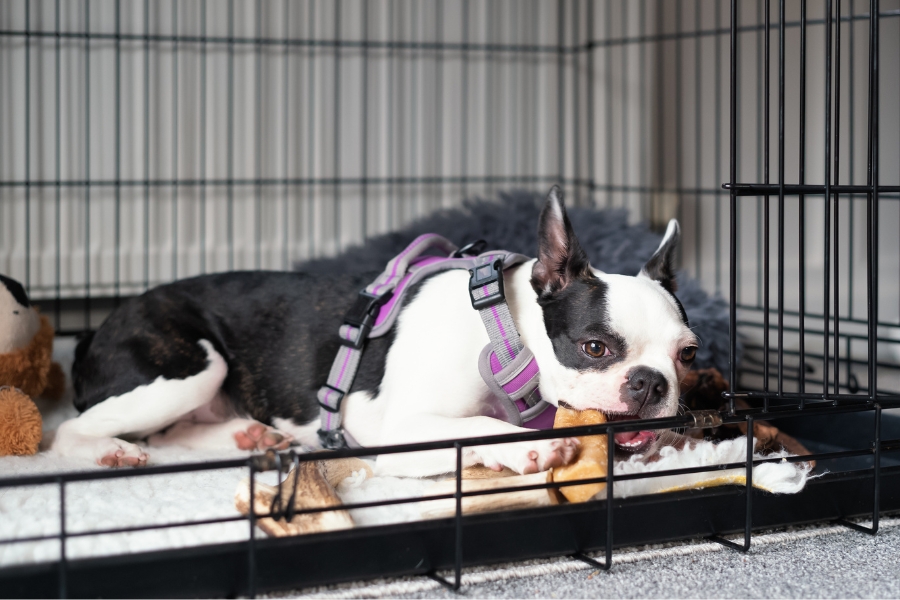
{"points": [[510, 223]]}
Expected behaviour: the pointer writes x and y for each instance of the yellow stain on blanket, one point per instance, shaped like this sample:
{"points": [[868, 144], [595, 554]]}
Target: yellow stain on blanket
{"points": [[714, 482]]}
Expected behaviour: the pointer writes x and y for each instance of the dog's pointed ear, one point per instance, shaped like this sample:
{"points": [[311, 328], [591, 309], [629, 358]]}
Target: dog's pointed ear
{"points": [[560, 257], [661, 266]]}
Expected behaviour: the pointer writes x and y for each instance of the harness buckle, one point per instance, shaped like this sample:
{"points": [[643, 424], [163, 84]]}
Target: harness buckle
{"points": [[471, 249], [480, 278], [332, 439], [363, 314]]}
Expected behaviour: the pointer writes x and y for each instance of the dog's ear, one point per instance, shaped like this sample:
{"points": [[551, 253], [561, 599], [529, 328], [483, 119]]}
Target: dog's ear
{"points": [[661, 266], [560, 257]]}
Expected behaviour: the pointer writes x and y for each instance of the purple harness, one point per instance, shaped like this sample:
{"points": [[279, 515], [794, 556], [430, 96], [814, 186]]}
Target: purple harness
{"points": [[508, 368]]}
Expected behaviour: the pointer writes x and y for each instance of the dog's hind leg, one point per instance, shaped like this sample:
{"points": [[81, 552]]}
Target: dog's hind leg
{"points": [[146, 409]]}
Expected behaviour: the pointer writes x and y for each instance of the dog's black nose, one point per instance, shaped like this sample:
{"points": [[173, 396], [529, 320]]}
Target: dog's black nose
{"points": [[646, 386]]}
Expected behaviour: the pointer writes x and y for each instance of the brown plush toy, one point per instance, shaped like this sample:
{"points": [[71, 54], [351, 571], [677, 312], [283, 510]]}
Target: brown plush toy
{"points": [[26, 369]]}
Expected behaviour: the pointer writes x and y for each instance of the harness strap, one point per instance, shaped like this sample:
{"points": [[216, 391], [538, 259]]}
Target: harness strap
{"points": [[509, 368], [357, 327], [506, 365]]}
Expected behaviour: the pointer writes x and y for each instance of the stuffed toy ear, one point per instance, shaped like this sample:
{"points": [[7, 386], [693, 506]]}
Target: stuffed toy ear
{"points": [[19, 322]]}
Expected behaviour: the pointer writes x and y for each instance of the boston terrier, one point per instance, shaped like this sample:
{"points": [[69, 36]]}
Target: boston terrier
{"points": [[237, 358]]}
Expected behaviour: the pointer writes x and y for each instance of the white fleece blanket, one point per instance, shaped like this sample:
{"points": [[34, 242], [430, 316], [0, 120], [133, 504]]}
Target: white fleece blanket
{"points": [[161, 499]]}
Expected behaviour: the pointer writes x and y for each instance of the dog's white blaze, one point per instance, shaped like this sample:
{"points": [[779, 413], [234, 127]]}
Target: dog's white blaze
{"points": [[140, 412]]}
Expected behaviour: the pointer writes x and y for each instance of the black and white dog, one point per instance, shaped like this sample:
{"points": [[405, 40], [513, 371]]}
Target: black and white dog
{"points": [[237, 358]]}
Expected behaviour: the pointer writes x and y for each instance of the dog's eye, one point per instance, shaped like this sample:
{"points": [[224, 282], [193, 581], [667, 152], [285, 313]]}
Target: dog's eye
{"points": [[688, 354], [595, 349]]}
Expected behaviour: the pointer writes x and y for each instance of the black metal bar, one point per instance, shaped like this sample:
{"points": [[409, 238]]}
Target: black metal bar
{"points": [[458, 519], [336, 158], [175, 141], [146, 107], [57, 304], [732, 299], [679, 76], [285, 217], [625, 127], [876, 476], [643, 174], [828, 191], [419, 46], [698, 134], [756, 189], [717, 230], [203, 111], [229, 126], [87, 169], [660, 103], [438, 121], [766, 204], [851, 201], [801, 242], [63, 561], [873, 268], [610, 472], [251, 520], [781, 59], [311, 130], [353, 181], [608, 105], [27, 146], [837, 214], [576, 108], [560, 92], [257, 202], [592, 107], [118, 133], [748, 527]]}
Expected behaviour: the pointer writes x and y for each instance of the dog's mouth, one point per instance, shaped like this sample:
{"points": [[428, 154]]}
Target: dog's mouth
{"points": [[632, 441]]}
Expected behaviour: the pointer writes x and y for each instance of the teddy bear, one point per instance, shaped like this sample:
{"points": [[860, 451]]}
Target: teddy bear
{"points": [[26, 369]]}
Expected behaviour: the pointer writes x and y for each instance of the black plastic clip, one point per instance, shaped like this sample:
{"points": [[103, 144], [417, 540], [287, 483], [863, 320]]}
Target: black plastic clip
{"points": [[333, 439], [363, 314], [471, 249], [483, 276]]}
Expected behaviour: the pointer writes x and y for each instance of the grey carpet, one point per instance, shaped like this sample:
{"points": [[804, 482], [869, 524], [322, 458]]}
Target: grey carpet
{"points": [[838, 564]]}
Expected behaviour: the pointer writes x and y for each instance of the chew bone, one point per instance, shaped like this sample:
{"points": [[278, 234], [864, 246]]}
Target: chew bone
{"points": [[591, 459], [314, 490], [490, 502]]}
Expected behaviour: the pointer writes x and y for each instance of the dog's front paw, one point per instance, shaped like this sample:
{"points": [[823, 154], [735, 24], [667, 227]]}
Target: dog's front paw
{"points": [[531, 457]]}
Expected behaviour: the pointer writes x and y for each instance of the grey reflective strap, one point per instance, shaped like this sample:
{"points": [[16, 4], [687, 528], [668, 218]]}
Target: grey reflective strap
{"points": [[399, 265], [353, 334], [500, 327], [510, 370], [340, 380]]}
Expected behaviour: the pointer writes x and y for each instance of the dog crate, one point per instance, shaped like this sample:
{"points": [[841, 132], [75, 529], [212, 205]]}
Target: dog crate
{"points": [[146, 141]]}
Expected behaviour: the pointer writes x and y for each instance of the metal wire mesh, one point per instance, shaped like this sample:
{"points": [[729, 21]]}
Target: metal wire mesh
{"points": [[146, 141]]}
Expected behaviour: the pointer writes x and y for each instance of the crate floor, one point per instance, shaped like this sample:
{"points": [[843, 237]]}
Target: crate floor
{"points": [[175, 498]]}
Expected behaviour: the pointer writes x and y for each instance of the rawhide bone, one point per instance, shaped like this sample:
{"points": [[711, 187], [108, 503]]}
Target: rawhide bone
{"points": [[315, 481], [591, 459]]}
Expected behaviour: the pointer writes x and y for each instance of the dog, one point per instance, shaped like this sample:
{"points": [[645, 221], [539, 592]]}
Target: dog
{"points": [[237, 358]]}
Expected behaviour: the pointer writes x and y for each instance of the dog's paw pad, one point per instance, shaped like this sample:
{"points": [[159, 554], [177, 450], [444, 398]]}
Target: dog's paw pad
{"points": [[123, 454], [261, 437]]}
